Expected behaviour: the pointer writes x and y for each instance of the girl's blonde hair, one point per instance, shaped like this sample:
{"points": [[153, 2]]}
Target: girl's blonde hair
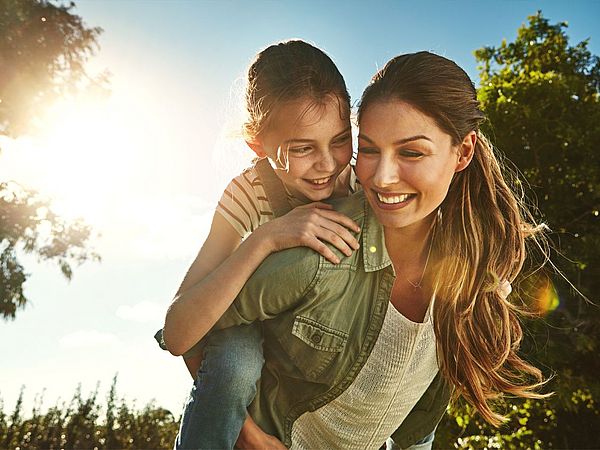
{"points": [[289, 71], [481, 240]]}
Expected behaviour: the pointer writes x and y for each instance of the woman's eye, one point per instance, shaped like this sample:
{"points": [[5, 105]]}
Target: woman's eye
{"points": [[410, 154], [367, 150]]}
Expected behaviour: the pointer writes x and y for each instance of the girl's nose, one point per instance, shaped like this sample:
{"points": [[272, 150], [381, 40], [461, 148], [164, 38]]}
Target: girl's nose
{"points": [[326, 162]]}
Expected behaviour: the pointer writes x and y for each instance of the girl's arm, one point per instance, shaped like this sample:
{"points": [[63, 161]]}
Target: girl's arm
{"points": [[253, 437], [223, 265]]}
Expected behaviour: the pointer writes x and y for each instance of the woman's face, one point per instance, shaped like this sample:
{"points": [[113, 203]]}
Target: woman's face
{"points": [[406, 162], [317, 140]]}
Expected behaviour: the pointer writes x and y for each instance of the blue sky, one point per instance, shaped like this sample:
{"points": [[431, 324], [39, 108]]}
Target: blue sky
{"points": [[147, 165]]}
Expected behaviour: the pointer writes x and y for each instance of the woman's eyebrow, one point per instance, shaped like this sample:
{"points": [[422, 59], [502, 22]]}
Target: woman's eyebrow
{"points": [[400, 141]]}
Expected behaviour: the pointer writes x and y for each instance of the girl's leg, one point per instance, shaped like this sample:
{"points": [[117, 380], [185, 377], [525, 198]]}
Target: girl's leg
{"points": [[224, 387]]}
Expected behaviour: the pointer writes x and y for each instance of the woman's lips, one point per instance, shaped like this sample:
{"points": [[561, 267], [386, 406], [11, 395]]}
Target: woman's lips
{"points": [[393, 200]]}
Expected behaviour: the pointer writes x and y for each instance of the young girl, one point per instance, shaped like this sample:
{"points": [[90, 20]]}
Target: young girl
{"points": [[299, 118], [373, 346]]}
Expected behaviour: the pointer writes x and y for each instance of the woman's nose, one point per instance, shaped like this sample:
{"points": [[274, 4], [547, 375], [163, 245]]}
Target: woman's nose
{"points": [[387, 173]]}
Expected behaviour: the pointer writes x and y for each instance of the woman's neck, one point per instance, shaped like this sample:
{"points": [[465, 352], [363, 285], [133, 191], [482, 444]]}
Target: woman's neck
{"points": [[407, 246]]}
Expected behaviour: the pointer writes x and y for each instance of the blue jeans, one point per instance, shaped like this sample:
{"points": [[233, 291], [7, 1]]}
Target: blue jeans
{"points": [[224, 387]]}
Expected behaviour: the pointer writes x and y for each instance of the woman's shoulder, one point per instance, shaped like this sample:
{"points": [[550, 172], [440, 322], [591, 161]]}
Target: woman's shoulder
{"points": [[352, 206]]}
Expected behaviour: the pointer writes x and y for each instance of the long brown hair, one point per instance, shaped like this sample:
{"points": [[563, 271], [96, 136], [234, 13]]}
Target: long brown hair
{"points": [[481, 241]]}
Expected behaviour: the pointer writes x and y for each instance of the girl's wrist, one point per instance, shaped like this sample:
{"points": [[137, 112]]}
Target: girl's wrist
{"points": [[261, 241]]}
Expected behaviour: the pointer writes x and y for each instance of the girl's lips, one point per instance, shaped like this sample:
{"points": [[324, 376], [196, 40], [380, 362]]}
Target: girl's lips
{"points": [[392, 201], [321, 183]]}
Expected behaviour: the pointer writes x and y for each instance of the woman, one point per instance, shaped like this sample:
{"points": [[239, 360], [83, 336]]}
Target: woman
{"points": [[370, 347]]}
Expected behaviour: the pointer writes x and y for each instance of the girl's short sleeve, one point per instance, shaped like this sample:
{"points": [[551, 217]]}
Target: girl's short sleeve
{"points": [[244, 203]]}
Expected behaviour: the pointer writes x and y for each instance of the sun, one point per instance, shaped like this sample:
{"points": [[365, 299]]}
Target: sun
{"points": [[81, 158]]}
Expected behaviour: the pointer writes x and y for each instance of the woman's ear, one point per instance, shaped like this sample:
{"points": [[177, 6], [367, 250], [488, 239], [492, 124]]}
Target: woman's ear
{"points": [[466, 150], [257, 148]]}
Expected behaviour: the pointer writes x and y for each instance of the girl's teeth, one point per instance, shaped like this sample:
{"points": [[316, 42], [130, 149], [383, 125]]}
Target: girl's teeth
{"points": [[392, 199], [321, 180]]}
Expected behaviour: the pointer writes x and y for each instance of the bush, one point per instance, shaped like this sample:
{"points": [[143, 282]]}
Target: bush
{"points": [[86, 424]]}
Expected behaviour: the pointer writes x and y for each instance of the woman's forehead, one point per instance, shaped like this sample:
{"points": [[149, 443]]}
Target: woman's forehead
{"points": [[395, 120]]}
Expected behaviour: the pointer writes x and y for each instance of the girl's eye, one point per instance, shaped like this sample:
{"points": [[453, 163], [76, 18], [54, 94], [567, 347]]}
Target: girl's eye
{"points": [[300, 150], [342, 140]]}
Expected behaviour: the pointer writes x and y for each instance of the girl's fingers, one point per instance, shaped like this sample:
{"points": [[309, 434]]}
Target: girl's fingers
{"points": [[319, 205], [342, 232], [333, 238], [322, 248], [340, 218]]}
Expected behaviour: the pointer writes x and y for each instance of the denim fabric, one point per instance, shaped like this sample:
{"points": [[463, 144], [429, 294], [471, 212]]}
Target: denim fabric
{"points": [[224, 387]]}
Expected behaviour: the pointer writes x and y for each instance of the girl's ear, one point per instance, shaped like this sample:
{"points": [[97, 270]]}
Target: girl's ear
{"points": [[257, 148], [466, 151]]}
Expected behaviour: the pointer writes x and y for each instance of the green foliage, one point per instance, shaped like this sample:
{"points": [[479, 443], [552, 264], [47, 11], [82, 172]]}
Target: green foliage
{"points": [[82, 424], [27, 224], [43, 50], [542, 99], [531, 424]]}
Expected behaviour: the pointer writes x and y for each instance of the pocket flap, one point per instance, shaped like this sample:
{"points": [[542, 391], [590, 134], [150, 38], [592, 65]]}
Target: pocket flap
{"points": [[319, 336]]}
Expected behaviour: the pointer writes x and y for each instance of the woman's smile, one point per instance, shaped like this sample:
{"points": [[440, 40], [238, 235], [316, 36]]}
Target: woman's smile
{"points": [[405, 163]]}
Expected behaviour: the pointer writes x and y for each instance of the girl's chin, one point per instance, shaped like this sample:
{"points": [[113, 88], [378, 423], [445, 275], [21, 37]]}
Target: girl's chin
{"points": [[316, 195]]}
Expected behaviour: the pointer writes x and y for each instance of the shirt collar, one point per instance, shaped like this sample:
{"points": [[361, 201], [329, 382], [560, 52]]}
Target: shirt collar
{"points": [[375, 255]]}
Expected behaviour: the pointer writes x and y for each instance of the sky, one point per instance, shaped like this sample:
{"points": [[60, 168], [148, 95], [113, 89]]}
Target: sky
{"points": [[146, 165]]}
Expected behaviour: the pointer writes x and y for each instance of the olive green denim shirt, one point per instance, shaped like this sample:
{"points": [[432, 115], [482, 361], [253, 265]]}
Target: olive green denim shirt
{"points": [[321, 321]]}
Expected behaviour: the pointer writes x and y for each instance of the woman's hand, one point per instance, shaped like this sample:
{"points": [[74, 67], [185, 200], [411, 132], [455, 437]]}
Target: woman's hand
{"points": [[311, 226], [253, 438]]}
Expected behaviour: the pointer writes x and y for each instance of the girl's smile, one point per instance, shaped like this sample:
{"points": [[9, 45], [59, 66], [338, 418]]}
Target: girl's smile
{"points": [[315, 139]]}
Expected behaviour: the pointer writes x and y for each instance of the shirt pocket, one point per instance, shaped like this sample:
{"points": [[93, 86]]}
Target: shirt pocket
{"points": [[313, 346]]}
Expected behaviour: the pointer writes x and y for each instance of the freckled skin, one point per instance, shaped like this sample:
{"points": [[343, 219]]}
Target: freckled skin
{"points": [[321, 147]]}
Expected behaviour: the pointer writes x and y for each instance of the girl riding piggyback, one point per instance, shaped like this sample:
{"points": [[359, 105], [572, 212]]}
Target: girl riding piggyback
{"points": [[299, 127]]}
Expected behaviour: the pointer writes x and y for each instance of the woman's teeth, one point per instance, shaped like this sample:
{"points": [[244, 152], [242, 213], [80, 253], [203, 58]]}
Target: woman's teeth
{"points": [[321, 180], [393, 199]]}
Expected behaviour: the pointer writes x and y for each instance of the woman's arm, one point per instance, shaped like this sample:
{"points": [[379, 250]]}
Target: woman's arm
{"points": [[223, 266]]}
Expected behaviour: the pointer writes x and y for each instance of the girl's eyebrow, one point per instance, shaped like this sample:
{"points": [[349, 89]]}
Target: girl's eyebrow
{"points": [[302, 140], [341, 133], [400, 141]]}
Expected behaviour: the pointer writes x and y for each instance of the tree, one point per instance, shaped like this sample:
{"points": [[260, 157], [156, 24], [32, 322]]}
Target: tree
{"points": [[542, 98], [43, 50]]}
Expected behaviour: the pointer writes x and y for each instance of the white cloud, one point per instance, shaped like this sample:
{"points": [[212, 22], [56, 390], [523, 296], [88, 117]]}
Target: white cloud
{"points": [[88, 338], [144, 312]]}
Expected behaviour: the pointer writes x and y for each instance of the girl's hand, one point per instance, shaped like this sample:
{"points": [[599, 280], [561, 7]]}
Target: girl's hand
{"points": [[311, 226], [253, 437]]}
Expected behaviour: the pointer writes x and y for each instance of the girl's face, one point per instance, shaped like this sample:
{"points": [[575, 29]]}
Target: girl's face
{"points": [[317, 140], [406, 162]]}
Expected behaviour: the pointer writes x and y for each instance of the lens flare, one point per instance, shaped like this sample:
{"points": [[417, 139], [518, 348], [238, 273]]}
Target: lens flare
{"points": [[543, 294]]}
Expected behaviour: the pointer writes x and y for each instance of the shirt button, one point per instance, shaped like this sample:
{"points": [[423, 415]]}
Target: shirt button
{"points": [[372, 249], [316, 338]]}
